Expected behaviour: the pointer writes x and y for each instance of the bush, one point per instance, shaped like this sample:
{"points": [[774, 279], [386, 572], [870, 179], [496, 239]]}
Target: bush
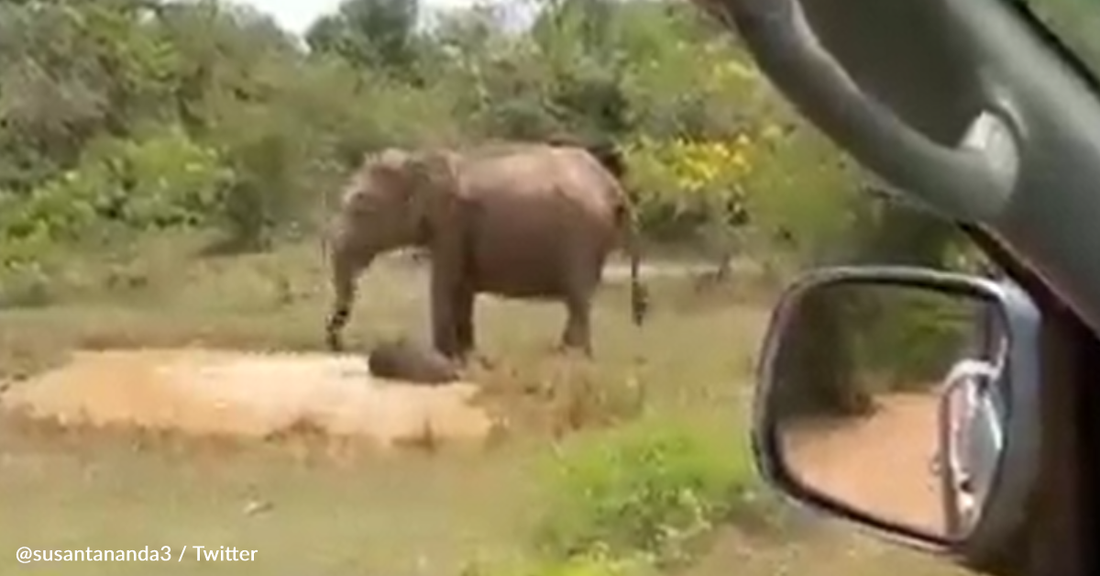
{"points": [[160, 180], [651, 490], [852, 344], [639, 500], [911, 340]]}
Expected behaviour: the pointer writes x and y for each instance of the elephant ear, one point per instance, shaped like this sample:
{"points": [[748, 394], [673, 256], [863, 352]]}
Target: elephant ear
{"points": [[434, 187], [378, 172], [433, 171], [389, 168]]}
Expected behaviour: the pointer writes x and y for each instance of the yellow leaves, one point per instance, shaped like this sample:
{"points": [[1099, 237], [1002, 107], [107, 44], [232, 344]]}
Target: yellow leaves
{"points": [[725, 65], [773, 131], [687, 173], [707, 164]]}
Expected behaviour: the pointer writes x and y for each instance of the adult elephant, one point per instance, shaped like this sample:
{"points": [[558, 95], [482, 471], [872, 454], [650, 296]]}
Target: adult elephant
{"points": [[518, 220]]}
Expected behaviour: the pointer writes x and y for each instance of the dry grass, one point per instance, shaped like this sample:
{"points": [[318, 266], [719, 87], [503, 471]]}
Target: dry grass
{"points": [[321, 511]]}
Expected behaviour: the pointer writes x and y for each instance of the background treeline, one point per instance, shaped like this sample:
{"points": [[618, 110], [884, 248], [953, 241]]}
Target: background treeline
{"points": [[120, 117], [125, 118]]}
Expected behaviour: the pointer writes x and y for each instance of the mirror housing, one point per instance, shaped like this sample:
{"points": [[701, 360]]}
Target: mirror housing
{"points": [[1004, 510]]}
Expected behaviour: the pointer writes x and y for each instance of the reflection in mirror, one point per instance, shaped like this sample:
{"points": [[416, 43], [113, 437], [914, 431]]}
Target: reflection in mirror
{"points": [[889, 398]]}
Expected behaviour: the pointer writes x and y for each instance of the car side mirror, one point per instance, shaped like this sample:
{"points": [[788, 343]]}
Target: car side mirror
{"points": [[904, 400]]}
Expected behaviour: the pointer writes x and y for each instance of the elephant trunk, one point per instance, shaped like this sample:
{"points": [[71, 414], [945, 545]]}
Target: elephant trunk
{"points": [[346, 266]]}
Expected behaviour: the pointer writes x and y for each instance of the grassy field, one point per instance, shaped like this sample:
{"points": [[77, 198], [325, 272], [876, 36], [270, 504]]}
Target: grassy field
{"points": [[408, 513]]}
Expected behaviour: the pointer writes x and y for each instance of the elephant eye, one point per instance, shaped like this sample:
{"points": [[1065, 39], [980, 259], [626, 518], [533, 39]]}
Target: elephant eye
{"points": [[360, 202]]}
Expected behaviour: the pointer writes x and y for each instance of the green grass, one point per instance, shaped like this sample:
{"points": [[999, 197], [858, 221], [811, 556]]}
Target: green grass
{"points": [[408, 512], [418, 516]]}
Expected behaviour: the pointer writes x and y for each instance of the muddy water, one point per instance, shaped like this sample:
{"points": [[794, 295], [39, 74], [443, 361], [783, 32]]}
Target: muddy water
{"points": [[206, 392]]}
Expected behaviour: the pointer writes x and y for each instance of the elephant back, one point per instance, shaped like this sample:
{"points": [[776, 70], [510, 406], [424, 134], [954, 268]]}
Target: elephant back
{"points": [[605, 151]]}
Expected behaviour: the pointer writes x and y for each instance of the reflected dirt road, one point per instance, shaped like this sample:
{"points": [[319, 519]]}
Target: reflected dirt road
{"points": [[881, 462]]}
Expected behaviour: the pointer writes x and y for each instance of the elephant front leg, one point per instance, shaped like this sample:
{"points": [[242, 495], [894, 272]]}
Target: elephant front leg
{"points": [[464, 322], [452, 300], [444, 319]]}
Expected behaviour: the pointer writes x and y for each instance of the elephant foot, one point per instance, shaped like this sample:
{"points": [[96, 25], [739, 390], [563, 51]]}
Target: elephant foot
{"points": [[335, 343], [573, 351], [471, 358], [482, 361]]}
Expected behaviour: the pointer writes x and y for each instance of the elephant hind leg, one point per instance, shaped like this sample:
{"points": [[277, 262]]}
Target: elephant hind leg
{"points": [[578, 329], [584, 270]]}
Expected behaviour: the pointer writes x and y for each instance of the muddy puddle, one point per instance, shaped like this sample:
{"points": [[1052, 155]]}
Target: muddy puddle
{"points": [[254, 395]]}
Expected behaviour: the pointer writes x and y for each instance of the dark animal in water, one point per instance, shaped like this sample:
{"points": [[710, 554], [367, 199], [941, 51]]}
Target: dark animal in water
{"points": [[404, 359]]}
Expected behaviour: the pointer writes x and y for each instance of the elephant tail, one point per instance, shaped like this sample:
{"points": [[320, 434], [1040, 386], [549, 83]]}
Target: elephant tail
{"points": [[639, 294]]}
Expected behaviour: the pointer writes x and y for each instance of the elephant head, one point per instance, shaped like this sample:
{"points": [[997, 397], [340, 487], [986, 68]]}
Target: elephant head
{"points": [[394, 200]]}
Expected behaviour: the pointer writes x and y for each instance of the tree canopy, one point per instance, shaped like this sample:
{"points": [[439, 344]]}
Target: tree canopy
{"points": [[121, 117]]}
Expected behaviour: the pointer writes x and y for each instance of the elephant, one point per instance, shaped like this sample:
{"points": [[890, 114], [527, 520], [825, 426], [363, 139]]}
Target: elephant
{"points": [[519, 220], [404, 359]]}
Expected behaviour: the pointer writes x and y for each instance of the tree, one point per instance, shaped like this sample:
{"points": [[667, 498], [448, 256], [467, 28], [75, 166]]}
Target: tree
{"points": [[370, 34]]}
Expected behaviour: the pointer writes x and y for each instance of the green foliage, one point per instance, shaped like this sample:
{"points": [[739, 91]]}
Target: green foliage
{"points": [[911, 337], [648, 490], [369, 33], [128, 116], [156, 181], [639, 500], [162, 179], [853, 343]]}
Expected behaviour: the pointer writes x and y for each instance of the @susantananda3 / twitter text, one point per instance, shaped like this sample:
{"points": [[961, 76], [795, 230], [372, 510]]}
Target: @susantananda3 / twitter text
{"points": [[190, 552]]}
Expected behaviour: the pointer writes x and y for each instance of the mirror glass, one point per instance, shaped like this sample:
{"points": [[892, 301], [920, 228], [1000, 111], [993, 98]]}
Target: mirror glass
{"points": [[889, 398]]}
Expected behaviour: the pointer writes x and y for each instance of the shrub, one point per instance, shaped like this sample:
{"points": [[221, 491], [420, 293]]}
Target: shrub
{"points": [[911, 339], [649, 489], [160, 180], [852, 344]]}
